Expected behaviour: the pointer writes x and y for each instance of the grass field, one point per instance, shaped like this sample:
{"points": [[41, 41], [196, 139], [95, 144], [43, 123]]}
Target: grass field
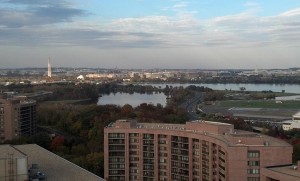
{"points": [[260, 104]]}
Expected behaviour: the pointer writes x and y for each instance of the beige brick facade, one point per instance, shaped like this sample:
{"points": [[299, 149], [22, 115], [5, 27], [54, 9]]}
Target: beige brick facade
{"points": [[197, 150]]}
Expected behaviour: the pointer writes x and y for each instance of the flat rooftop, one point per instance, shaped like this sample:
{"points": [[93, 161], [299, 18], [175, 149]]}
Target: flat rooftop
{"points": [[55, 167], [290, 170], [231, 137], [6, 150], [297, 114]]}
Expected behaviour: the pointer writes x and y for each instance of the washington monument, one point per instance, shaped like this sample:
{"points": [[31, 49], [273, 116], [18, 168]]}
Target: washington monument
{"points": [[49, 68]]}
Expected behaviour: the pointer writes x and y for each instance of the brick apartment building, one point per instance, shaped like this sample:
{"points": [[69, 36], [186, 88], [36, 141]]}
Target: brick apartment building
{"points": [[197, 150], [17, 117]]}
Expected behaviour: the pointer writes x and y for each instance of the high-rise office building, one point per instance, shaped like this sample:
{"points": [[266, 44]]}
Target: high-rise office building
{"points": [[49, 68], [195, 151], [17, 117]]}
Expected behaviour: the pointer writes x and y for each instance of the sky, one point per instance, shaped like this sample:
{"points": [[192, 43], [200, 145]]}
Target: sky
{"points": [[146, 34]]}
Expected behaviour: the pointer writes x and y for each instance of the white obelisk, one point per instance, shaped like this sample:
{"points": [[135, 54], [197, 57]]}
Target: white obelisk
{"points": [[49, 68]]}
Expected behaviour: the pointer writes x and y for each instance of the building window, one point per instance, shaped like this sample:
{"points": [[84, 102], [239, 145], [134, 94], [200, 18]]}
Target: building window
{"points": [[132, 140], [162, 142], [134, 158], [134, 177], [196, 152], [253, 179], [147, 154], [196, 146], [133, 165], [162, 173], [253, 154], [116, 147], [134, 146], [148, 136], [163, 154], [116, 172], [162, 160], [163, 148], [253, 171], [196, 166], [184, 158], [117, 178], [133, 152], [147, 142], [133, 134], [116, 160], [162, 136], [116, 135], [116, 141], [116, 166], [195, 140], [253, 163], [134, 171]]}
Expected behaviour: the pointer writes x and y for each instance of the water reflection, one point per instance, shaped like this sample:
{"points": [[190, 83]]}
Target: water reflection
{"points": [[288, 88], [134, 99]]}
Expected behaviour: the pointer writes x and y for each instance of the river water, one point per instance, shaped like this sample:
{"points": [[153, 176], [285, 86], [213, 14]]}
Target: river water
{"points": [[134, 99], [288, 88], [160, 98]]}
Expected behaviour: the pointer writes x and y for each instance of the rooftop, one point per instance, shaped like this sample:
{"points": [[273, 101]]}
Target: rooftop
{"points": [[222, 131], [297, 114], [6, 150], [23, 100], [291, 170], [55, 167]]}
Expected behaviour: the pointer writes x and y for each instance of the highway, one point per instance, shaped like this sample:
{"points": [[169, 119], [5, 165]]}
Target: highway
{"points": [[191, 105]]}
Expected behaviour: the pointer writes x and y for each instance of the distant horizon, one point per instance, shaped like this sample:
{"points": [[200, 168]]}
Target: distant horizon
{"points": [[181, 34], [103, 68]]}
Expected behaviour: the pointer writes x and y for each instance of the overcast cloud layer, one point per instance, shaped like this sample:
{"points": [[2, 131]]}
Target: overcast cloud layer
{"points": [[74, 36]]}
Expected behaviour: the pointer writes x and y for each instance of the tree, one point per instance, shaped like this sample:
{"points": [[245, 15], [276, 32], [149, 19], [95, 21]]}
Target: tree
{"points": [[57, 142], [94, 146], [42, 139], [242, 88], [126, 110], [79, 150], [95, 162]]}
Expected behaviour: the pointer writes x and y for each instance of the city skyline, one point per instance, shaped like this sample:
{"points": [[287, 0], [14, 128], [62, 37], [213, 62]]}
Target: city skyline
{"points": [[204, 34]]}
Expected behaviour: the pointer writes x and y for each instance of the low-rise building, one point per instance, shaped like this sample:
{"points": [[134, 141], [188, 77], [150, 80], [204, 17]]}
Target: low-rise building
{"points": [[296, 117], [292, 124], [107, 75]]}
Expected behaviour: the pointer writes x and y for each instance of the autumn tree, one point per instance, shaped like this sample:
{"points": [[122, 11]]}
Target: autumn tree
{"points": [[57, 142], [126, 110]]}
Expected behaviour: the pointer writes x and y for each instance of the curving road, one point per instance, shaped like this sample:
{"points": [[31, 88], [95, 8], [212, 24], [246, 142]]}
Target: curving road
{"points": [[191, 105]]}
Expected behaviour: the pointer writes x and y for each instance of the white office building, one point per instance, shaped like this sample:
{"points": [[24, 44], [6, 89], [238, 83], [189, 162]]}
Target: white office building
{"points": [[292, 124]]}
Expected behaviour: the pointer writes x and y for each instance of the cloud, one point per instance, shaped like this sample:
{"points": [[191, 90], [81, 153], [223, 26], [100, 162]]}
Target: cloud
{"points": [[180, 7], [54, 23], [37, 13], [252, 5], [49, 36], [247, 29], [161, 24], [291, 13], [37, 2]]}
